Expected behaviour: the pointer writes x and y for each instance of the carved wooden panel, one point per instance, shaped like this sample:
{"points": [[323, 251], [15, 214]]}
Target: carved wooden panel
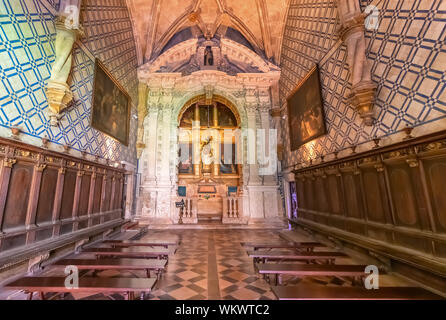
{"points": [[108, 187], [97, 194], [18, 196], [352, 196], [84, 195], [46, 195], [403, 196], [334, 194], [436, 177], [321, 195], [374, 201], [300, 194], [309, 194], [68, 195]]}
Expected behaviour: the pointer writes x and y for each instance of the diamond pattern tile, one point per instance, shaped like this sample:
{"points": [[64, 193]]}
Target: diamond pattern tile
{"points": [[407, 54], [27, 35]]}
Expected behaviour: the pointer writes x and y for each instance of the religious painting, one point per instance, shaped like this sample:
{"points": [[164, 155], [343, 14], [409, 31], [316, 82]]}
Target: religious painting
{"points": [[187, 118], [228, 159], [206, 116], [225, 117], [305, 111], [186, 165], [110, 106]]}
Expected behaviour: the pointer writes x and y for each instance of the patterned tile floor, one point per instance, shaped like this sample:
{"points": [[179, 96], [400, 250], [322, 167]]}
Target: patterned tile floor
{"points": [[209, 264]]}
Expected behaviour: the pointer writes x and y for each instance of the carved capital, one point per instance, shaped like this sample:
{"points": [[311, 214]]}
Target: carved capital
{"points": [[80, 173], [62, 170], [8, 162], [40, 167], [354, 24], [413, 162], [379, 167]]}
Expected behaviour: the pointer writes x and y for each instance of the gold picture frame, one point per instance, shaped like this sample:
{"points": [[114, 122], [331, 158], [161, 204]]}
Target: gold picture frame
{"points": [[110, 105], [306, 117]]}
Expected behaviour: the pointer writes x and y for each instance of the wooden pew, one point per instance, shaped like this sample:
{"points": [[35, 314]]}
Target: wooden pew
{"points": [[304, 270], [309, 246], [158, 266], [318, 292], [142, 243], [265, 256], [134, 252], [93, 285]]}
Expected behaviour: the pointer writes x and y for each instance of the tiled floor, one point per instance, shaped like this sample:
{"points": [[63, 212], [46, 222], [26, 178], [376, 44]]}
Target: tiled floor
{"points": [[211, 264]]}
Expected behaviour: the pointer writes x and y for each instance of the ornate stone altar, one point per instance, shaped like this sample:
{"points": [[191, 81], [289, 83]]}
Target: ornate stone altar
{"points": [[181, 79]]}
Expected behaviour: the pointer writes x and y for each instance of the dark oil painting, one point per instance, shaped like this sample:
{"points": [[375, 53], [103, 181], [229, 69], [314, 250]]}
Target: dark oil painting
{"points": [[305, 111], [110, 106]]}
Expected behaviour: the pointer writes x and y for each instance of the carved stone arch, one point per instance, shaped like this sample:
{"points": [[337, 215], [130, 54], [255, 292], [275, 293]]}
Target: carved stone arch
{"points": [[216, 98], [234, 51], [192, 97]]}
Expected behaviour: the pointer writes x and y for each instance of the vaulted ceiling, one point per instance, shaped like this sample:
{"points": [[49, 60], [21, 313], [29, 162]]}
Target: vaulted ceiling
{"points": [[157, 21]]}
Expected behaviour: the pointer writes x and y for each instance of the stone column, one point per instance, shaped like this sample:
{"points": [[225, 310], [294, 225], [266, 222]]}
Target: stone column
{"points": [[196, 141], [148, 158], [254, 179], [352, 33], [267, 150]]}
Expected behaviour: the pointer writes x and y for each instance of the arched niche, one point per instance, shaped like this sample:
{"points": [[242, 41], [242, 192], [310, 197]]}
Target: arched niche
{"points": [[201, 100]]}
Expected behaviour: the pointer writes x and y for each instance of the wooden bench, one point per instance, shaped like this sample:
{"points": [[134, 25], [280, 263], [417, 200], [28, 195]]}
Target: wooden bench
{"points": [[94, 285], [265, 256], [130, 225], [134, 252], [309, 246], [158, 266], [304, 270], [142, 243], [318, 292]]}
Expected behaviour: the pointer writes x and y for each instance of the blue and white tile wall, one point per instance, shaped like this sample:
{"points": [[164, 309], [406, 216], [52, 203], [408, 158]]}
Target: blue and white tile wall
{"points": [[408, 57], [27, 35]]}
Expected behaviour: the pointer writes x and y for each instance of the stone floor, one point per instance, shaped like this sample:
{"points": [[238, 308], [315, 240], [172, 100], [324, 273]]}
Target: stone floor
{"points": [[211, 264]]}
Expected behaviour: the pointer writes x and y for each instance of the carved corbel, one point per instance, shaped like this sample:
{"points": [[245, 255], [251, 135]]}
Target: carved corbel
{"points": [[413, 162], [35, 263], [58, 92], [352, 33], [79, 244], [209, 93]]}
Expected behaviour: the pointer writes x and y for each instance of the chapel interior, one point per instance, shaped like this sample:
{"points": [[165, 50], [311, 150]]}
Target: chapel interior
{"points": [[223, 149]]}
